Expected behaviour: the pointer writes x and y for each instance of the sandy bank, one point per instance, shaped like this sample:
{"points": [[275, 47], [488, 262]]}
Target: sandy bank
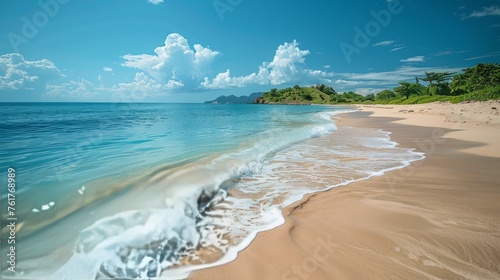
{"points": [[435, 219]]}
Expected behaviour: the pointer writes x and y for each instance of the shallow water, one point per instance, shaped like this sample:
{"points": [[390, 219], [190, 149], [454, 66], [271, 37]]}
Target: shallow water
{"points": [[150, 190]]}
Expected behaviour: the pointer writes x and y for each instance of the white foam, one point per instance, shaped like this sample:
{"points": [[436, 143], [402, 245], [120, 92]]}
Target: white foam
{"points": [[266, 175]]}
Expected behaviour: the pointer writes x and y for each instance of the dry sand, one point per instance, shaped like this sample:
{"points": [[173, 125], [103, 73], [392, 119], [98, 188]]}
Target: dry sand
{"points": [[438, 218], [476, 121]]}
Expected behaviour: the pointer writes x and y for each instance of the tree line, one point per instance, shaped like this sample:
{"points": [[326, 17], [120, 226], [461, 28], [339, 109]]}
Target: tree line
{"points": [[481, 82]]}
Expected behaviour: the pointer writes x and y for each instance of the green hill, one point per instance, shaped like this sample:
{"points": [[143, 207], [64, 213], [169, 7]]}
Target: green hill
{"points": [[318, 94], [299, 95]]}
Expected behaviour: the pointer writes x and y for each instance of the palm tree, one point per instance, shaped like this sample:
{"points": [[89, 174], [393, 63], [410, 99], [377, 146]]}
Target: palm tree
{"points": [[405, 89], [439, 78], [430, 77]]}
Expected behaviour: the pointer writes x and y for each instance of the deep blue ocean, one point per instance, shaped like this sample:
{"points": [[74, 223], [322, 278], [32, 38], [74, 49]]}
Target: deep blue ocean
{"points": [[135, 190]]}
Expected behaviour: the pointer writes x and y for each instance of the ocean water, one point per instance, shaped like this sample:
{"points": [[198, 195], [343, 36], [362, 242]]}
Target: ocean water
{"points": [[159, 190]]}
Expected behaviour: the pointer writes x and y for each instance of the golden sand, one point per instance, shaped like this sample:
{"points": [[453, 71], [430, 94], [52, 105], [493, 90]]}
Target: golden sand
{"points": [[438, 218]]}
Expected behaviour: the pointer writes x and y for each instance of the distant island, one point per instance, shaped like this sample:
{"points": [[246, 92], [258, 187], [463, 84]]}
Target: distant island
{"points": [[478, 83], [231, 99]]}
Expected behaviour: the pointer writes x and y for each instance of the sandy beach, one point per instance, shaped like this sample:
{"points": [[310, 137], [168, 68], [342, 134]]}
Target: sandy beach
{"points": [[438, 218]]}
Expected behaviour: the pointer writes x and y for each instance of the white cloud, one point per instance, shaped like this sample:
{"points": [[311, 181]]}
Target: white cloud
{"points": [[418, 58], [155, 2], [366, 91], [74, 89], [405, 73], [448, 52], [175, 58], [327, 66], [288, 66], [344, 82], [383, 43], [16, 73], [224, 80], [398, 48], [493, 54], [493, 10], [142, 86], [176, 61], [372, 82]]}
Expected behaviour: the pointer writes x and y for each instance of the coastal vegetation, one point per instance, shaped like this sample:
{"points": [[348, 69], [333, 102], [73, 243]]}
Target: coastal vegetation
{"points": [[478, 83]]}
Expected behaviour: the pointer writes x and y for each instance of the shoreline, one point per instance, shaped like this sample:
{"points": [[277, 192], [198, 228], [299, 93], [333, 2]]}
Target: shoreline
{"points": [[432, 219]]}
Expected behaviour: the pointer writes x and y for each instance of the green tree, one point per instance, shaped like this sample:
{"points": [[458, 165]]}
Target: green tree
{"points": [[370, 97], [306, 96], [430, 77], [352, 97], [437, 78], [460, 84], [420, 89], [386, 94], [329, 90], [476, 78], [339, 98], [406, 89]]}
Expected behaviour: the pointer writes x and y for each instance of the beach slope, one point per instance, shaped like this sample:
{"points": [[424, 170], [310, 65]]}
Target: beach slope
{"points": [[438, 218]]}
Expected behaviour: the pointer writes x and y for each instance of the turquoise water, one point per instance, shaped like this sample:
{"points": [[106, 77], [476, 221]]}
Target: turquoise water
{"points": [[71, 144], [59, 147], [143, 190]]}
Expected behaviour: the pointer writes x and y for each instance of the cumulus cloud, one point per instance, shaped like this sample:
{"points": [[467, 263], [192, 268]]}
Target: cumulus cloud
{"points": [[224, 80], [174, 62], [418, 58], [143, 86], [173, 66], [73, 89], [16, 73], [288, 66], [177, 63]]}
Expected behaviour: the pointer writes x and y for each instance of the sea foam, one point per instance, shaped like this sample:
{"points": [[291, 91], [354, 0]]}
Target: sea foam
{"points": [[202, 213]]}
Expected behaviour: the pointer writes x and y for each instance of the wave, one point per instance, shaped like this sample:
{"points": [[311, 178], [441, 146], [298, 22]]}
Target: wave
{"points": [[212, 209], [143, 243]]}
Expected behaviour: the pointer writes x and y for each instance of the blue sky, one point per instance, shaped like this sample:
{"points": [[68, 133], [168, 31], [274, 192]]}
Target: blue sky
{"points": [[193, 51]]}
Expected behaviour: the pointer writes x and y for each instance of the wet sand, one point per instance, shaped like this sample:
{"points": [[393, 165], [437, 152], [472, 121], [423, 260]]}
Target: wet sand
{"points": [[438, 218]]}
